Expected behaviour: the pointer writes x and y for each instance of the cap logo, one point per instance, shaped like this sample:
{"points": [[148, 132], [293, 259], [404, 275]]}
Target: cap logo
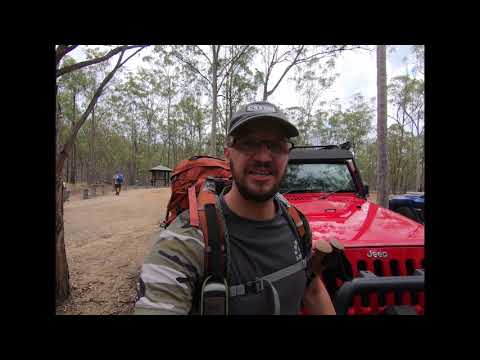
{"points": [[262, 108]]}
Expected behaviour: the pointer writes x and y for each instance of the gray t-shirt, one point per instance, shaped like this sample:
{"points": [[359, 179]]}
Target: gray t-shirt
{"points": [[259, 248]]}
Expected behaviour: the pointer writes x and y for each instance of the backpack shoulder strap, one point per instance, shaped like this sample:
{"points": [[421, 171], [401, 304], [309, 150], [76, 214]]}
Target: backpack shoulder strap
{"points": [[192, 206], [212, 228], [294, 214]]}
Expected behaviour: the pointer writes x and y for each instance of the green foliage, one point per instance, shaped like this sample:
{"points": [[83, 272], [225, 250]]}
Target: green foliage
{"points": [[334, 125], [405, 142], [161, 113]]}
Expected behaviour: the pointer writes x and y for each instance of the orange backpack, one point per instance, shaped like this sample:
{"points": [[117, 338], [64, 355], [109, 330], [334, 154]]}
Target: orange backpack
{"points": [[188, 178]]}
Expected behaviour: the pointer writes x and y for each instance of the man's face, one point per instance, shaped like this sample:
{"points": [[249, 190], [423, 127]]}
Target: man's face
{"points": [[256, 170]]}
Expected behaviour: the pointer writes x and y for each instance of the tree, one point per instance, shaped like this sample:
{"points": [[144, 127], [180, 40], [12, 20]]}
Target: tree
{"points": [[298, 115], [214, 72], [70, 89], [133, 113], [407, 96], [309, 86], [357, 122], [63, 150], [382, 162], [240, 86], [419, 64], [293, 56]]}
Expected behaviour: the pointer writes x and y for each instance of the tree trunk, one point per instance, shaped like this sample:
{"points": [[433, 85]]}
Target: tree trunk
{"points": [[213, 138], [265, 86], [175, 142], [419, 155], [422, 179], [149, 139], [62, 283], [169, 130], [91, 174], [133, 162], [62, 288], [200, 149], [73, 171], [73, 161], [67, 169], [382, 162]]}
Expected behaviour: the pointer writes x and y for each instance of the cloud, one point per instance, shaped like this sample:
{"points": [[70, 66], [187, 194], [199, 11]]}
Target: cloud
{"points": [[357, 74]]}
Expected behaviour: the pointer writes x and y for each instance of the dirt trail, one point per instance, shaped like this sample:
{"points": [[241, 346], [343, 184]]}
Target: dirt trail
{"points": [[106, 240]]}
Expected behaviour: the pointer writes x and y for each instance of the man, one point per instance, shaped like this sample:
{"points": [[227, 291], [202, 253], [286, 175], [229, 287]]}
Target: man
{"points": [[260, 239], [118, 180]]}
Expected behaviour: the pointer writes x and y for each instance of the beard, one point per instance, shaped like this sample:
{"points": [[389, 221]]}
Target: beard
{"points": [[251, 194]]}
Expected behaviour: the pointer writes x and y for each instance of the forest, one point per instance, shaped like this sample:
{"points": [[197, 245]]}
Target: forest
{"points": [[177, 104]]}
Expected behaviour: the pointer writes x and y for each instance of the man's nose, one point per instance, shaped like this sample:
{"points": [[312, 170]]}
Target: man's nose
{"points": [[263, 152]]}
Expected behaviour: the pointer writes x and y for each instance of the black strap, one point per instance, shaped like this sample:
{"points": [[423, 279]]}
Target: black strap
{"points": [[215, 252], [257, 286]]}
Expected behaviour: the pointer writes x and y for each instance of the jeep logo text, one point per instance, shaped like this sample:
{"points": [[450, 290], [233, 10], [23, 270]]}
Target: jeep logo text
{"points": [[377, 254]]}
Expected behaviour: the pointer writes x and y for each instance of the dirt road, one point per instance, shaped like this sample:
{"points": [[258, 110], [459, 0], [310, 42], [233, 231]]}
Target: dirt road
{"points": [[106, 240]]}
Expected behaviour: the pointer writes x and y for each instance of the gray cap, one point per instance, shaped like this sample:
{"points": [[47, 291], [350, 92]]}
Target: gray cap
{"points": [[260, 110]]}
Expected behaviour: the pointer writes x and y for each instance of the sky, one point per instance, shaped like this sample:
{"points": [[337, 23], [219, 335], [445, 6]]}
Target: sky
{"points": [[357, 74]]}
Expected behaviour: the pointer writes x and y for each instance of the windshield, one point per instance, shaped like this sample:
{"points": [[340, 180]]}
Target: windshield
{"points": [[317, 178]]}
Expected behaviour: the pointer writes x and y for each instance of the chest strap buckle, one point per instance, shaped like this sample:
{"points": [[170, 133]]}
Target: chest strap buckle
{"points": [[256, 286]]}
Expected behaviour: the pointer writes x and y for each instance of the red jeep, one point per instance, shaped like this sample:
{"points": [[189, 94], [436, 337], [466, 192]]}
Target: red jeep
{"points": [[385, 249]]}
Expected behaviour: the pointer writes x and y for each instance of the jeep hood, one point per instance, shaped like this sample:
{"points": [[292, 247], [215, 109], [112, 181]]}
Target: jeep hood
{"points": [[356, 222]]}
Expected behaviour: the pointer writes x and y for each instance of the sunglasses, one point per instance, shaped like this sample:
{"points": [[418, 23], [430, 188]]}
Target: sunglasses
{"points": [[251, 146]]}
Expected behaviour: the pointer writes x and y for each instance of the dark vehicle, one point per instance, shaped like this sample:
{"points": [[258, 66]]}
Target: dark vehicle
{"points": [[385, 249], [410, 205]]}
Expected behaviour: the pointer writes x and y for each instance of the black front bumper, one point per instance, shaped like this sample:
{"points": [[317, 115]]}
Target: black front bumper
{"points": [[368, 282]]}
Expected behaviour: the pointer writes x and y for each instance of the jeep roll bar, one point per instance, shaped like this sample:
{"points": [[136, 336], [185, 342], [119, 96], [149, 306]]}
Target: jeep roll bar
{"points": [[345, 146]]}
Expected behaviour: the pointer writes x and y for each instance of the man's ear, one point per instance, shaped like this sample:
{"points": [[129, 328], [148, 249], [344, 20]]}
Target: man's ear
{"points": [[226, 153]]}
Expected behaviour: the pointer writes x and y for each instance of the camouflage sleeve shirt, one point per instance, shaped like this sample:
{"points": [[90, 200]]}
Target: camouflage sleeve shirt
{"points": [[171, 271]]}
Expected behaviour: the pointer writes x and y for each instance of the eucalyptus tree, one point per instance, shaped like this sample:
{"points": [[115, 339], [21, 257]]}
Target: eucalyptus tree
{"points": [[281, 59], [298, 114], [144, 87], [418, 51], [309, 86], [406, 94], [94, 75], [213, 67], [357, 121], [241, 85], [192, 121], [63, 148], [382, 160], [331, 124], [320, 118], [166, 76], [71, 86], [127, 107], [366, 158], [333, 127]]}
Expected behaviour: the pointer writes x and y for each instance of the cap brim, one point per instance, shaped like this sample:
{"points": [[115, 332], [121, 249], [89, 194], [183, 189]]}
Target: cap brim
{"points": [[290, 129]]}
